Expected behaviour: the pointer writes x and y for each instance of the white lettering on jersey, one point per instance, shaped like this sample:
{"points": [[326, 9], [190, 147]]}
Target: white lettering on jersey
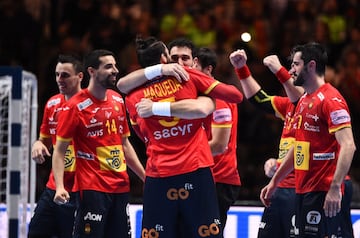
{"points": [[92, 217], [52, 131], [314, 117], [173, 131], [159, 227], [53, 102], [339, 116], [324, 156], [262, 225], [222, 115], [84, 155], [119, 99], [336, 99], [309, 127], [84, 104], [321, 96], [108, 114], [95, 133]]}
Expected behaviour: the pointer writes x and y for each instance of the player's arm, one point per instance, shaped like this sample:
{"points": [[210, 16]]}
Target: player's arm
{"points": [[219, 140], [227, 93], [274, 65], [132, 159], [344, 137], [141, 76], [286, 166], [41, 148], [252, 89], [184, 109], [61, 195]]}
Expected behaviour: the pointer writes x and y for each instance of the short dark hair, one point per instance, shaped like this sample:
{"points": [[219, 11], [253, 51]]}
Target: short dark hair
{"points": [[92, 59], [149, 51], [182, 42], [312, 51], [72, 59], [206, 57]]}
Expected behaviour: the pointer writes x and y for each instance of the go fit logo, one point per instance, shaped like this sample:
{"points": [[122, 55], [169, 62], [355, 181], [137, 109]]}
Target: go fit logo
{"points": [[203, 231], [152, 232], [182, 193]]}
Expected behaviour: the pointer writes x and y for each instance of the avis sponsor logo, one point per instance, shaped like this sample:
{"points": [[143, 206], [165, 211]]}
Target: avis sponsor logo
{"points": [[95, 133], [92, 217], [152, 232]]}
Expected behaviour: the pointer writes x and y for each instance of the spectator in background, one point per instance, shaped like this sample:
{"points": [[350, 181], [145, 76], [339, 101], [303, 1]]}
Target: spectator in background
{"points": [[203, 34], [176, 23]]}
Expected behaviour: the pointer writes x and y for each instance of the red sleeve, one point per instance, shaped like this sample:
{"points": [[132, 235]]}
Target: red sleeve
{"points": [[228, 93], [130, 106], [214, 88], [44, 128]]}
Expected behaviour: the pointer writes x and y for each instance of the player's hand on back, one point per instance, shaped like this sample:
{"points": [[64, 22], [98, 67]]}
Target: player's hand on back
{"points": [[176, 70], [144, 108]]}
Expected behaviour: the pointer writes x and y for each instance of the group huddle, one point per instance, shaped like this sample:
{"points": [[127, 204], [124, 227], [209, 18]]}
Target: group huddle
{"points": [[188, 120]]}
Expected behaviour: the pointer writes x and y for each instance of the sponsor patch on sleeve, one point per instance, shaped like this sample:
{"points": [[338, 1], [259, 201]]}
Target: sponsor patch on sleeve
{"points": [[339, 117], [222, 115]]}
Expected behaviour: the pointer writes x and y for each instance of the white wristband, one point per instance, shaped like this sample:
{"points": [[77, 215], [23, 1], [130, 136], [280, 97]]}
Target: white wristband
{"points": [[161, 109], [152, 72]]}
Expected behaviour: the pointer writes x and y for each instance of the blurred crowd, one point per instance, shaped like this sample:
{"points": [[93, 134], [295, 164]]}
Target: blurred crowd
{"points": [[34, 32]]}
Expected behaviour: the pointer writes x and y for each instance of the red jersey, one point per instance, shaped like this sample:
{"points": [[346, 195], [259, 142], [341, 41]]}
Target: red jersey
{"points": [[53, 107], [285, 109], [97, 129], [317, 117], [176, 146], [225, 165]]}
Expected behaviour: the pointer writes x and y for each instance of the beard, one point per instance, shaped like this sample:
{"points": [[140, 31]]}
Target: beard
{"points": [[300, 79], [108, 82]]}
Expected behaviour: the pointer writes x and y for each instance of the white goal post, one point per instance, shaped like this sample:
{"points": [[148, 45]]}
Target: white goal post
{"points": [[18, 131]]}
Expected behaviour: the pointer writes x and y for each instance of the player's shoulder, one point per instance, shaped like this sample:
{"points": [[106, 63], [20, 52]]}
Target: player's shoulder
{"points": [[55, 100], [115, 96]]}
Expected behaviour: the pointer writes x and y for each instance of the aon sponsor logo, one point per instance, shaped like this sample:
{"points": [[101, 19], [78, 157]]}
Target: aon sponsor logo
{"points": [[92, 217]]}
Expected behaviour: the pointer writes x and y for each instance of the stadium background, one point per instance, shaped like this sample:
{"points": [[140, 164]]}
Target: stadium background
{"points": [[34, 32]]}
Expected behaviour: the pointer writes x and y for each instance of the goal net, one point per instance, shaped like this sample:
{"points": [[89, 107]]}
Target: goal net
{"points": [[18, 129]]}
